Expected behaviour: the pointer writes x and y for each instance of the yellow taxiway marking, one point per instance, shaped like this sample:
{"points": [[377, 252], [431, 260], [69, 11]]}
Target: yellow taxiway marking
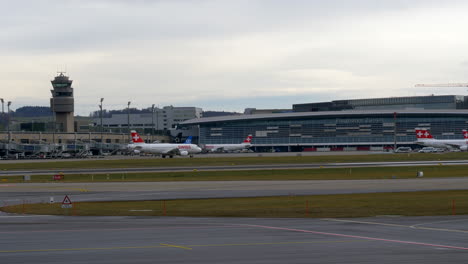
{"points": [[189, 247], [175, 246], [405, 226]]}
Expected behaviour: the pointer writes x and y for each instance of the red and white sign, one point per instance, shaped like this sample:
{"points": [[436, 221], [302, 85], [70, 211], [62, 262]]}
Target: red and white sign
{"points": [[67, 203], [58, 177]]}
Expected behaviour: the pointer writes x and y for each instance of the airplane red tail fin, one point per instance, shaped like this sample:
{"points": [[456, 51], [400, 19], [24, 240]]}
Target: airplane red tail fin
{"points": [[465, 134], [248, 139], [136, 138], [423, 133]]}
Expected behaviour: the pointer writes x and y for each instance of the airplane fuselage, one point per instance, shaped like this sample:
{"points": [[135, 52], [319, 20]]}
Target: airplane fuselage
{"points": [[226, 147], [444, 143], [166, 148]]}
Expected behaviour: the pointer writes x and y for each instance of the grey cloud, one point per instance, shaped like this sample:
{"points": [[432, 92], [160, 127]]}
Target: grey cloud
{"points": [[63, 26]]}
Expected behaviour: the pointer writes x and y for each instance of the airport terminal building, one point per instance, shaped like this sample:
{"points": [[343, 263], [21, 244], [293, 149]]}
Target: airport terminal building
{"points": [[331, 130]]}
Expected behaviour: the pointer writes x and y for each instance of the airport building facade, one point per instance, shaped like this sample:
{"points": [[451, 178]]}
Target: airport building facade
{"points": [[163, 119], [331, 130], [431, 102]]}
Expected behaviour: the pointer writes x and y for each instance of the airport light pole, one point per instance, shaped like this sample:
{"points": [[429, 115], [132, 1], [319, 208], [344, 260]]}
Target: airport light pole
{"points": [[128, 121], [3, 109], [102, 128], [152, 122], [8, 121], [394, 131]]}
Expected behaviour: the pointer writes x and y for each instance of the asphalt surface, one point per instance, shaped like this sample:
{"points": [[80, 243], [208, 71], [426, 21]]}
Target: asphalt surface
{"points": [[385, 239], [55, 239], [234, 167]]}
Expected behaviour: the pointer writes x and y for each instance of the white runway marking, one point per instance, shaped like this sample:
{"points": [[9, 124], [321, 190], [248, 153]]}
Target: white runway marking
{"points": [[404, 226], [361, 237]]}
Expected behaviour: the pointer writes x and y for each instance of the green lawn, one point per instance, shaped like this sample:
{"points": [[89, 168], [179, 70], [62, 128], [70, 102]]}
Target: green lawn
{"points": [[437, 171], [317, 206]]}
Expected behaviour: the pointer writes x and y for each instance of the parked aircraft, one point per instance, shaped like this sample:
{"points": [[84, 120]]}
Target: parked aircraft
{"points": [[425, 138], [163, 149], [188, 140], [229, 147]]}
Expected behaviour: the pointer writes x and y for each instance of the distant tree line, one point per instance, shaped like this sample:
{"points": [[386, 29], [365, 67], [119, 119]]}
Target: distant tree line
{"points": [[31, 111]]}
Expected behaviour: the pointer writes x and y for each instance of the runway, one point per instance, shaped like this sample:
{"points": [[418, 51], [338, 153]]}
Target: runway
{"points": [[234, 167], [55, 239]]}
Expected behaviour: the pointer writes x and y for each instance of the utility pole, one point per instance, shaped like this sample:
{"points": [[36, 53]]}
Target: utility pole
{"points": [[394, 131], [102, 128], [152, 122], [128, 122], [8, 121], [8, 124]]}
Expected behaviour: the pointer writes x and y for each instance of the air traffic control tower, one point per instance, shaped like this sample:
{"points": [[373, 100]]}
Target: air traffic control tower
{"points": [[62, 103]]}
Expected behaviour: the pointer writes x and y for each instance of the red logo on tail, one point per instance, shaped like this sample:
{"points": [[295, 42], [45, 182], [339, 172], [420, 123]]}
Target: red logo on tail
{"points": [[423, 133], [136, 138], [248, 139]]}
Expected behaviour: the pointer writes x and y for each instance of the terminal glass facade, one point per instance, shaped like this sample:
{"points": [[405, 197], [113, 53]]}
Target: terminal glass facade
{"points": [[334, 130]]}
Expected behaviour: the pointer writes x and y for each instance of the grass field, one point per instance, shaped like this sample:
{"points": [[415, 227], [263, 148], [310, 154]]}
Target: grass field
{"points": [[317, 206], [437, 171], [233, 161]]}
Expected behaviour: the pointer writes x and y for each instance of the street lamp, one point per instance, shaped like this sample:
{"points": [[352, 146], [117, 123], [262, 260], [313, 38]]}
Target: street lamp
{"points": [[152, 122], [128, 121], [102, 129], [100, 108], [394, 131], [8, 121]]}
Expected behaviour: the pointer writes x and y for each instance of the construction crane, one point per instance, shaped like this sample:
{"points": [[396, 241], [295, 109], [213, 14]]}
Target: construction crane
{"points": [[442, 85]]}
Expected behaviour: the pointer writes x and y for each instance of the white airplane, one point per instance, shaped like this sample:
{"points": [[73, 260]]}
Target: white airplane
{"points": [[229, 147], [425, 138], [164, 149]]}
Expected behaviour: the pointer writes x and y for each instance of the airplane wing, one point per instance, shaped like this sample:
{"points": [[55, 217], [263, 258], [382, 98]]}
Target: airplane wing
{"points": [[172, 151], [452, 146], [220, 149]]}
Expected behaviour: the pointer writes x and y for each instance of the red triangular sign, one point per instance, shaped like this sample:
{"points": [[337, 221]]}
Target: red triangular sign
{"points": [[66, 200]]}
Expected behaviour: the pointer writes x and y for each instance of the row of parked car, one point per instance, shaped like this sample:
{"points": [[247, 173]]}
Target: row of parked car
{"points": [[423, 150]]}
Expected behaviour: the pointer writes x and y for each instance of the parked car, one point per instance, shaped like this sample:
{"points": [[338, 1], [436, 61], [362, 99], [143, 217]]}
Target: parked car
{"points": [[427, 150], [403, 150]]}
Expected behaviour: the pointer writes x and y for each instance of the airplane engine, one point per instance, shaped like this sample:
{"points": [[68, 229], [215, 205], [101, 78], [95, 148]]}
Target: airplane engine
{"points": [[464, 148], [136, 151], [184, 153]]}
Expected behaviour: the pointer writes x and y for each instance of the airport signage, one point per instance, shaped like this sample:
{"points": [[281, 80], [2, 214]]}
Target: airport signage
{"points": [[58, 177], [67, 203]]}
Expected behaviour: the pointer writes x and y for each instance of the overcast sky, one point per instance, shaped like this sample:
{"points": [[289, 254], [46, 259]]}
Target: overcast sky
{"points": [[230, 55]]}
